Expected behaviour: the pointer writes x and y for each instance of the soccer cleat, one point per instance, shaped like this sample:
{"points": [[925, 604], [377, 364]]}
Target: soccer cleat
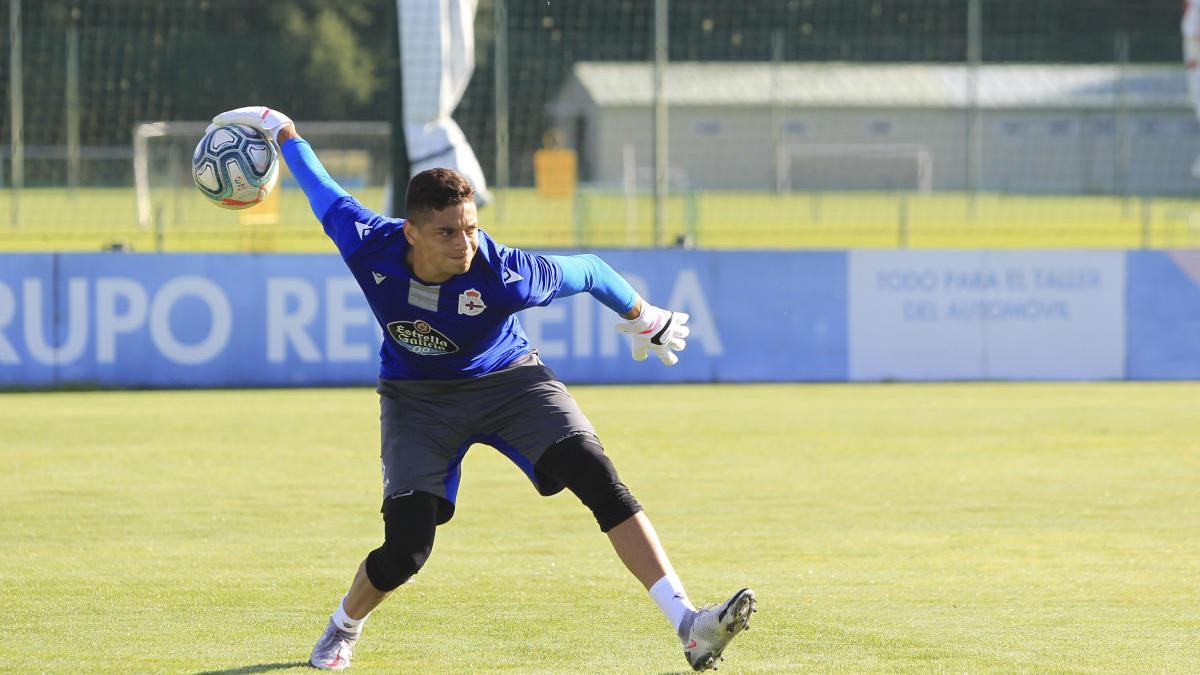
{"points": [[707, 631], [334, 650]]}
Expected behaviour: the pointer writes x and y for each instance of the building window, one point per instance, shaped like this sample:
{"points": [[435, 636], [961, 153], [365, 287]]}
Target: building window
{"points": [[1149, 127], [879, 128], [1061, 127], [1013, 128]]}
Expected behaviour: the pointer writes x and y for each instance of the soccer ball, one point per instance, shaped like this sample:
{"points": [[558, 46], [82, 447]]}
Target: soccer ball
{"points": [[235, 166]]}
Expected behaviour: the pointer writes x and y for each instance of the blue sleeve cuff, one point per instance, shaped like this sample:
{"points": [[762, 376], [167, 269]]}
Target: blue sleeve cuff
{"points": [[589, 273], [321, 190]]}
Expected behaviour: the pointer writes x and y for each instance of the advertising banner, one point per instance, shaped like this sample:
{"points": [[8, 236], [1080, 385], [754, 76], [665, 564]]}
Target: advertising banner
{"points": [[948, 315], [293, 320], [121, 320]]}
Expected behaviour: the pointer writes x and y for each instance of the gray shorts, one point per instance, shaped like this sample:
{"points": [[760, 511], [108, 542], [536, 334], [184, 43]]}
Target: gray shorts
{"points": [[428, 425]]}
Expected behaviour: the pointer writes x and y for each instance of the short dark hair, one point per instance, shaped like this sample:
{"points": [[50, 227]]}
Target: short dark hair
{"points": [[435, 190]]}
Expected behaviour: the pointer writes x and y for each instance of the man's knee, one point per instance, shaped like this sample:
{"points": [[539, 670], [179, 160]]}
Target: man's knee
{"points": [[409, 525], [579, 463]]}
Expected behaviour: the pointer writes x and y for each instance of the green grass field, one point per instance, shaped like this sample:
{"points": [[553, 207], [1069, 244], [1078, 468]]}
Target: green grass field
{"points": [[94, 219], [886, 528]]}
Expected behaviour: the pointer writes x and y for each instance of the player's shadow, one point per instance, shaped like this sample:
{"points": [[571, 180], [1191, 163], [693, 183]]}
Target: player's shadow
{"points": [[260, 668]]}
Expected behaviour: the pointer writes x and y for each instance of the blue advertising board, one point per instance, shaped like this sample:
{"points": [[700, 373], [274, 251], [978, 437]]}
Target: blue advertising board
{"points": [[1164, 315], [172, 320], [175, 320]]}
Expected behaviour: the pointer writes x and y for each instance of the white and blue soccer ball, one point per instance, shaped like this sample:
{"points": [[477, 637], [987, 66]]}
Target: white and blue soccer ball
{"points": [[235, 166]]}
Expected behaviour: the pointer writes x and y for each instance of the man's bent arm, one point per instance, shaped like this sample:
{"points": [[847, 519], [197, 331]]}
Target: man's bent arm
{"points": [[589, 273]]}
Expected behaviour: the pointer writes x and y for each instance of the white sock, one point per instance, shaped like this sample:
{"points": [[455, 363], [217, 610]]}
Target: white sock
{"points": [[668, 593], [342, 620]]}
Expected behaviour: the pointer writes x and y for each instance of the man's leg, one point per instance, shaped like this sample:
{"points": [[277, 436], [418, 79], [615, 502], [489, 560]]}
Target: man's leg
{"points": [[579, 463], [409, 526], [545, 426], [637, 545], [363, 597]]}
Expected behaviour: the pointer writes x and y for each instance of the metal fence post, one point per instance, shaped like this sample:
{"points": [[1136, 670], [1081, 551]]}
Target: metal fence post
{"points": [[974, 139], [1147, 220], [1124, 150], [781, 181], [661, 144], [501, 99], [72, 103], [16, 100], [401, 168]]}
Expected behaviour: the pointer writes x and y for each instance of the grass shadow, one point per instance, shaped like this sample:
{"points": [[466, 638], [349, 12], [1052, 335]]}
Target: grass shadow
{"points": [[259, 668]]}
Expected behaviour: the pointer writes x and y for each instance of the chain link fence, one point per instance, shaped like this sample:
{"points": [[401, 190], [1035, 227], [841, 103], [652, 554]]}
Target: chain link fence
{"points": [[788, 123]]}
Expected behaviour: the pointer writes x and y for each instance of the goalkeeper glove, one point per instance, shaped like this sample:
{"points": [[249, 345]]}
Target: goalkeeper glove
{"points": [[659, 331], [266, 120]]}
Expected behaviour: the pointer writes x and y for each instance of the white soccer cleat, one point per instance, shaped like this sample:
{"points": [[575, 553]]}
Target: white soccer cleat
{"points": [[334, 650], [707, 631]]}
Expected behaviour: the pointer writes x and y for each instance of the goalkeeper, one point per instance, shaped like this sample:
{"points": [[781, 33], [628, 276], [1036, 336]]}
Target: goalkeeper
{"points": [[456, 369]]}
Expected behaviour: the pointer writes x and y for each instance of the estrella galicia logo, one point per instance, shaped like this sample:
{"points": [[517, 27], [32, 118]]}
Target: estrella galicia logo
{"points": [[420, 338]]}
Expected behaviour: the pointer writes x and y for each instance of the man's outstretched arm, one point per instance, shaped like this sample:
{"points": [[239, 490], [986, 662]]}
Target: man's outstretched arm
{"points": [[322, 191], [650, 328], [588, 273]]}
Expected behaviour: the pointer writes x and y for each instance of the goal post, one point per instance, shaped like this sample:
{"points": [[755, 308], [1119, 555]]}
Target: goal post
{"points": [[853, 166]]}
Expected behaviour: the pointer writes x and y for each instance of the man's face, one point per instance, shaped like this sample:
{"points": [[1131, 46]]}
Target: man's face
{"points": [[443, 242]]}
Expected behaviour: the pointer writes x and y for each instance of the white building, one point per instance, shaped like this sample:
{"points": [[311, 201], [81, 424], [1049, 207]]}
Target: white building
{"points": [[1072, 129]]}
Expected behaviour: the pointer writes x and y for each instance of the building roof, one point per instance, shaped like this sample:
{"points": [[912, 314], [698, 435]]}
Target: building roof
{"points": [[840, 85]]}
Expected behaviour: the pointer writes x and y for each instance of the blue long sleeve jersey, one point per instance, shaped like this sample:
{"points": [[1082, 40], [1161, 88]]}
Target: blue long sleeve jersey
{"points": [[466, 326]]}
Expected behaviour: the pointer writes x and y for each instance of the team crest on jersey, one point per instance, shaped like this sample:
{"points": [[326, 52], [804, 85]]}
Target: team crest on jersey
{"points": [[470, 302], [420, 338]]}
